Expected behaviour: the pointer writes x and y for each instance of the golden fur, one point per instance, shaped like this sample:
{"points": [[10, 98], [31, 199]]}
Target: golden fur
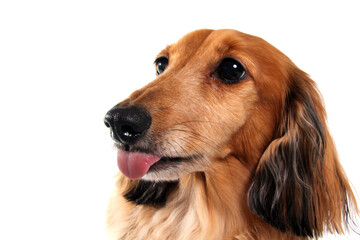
{"points": [[240, 131]]}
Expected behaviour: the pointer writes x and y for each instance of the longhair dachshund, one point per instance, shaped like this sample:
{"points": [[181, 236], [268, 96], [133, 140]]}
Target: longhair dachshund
{"points": [[229, 142]]}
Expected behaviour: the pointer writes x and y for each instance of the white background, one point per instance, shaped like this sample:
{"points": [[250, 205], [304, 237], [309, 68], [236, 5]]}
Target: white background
{"points": [[63, 64]]}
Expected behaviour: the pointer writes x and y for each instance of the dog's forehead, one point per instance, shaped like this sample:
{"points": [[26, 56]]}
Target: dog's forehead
{"points": [[212, 45], [222, 40], [187, 45]]}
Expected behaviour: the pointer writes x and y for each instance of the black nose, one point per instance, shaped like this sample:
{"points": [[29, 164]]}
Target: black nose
{"points": [[127, 124]]}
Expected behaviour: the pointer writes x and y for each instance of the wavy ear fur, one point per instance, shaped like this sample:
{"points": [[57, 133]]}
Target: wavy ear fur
{"points": [[299, 185]]}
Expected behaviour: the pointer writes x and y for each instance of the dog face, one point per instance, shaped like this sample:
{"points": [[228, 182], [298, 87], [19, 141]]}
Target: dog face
{"points": [[207, 87]]}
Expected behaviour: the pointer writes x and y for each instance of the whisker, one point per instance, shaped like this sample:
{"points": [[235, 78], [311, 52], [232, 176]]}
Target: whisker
{"points": [[173, 147], [199, 155], [183, 149], [196, 121], [201, 137], [191, 146]]}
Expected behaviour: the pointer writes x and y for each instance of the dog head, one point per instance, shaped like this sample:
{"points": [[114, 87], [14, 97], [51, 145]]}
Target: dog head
{"points": [[225, 93]]}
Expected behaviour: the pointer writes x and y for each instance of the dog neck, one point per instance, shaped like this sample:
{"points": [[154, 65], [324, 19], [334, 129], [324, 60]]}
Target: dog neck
{"points": [[203, 205]]}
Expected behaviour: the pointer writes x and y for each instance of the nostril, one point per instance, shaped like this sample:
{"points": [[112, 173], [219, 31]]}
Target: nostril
{"points": [[129, 131], [107, 120]]}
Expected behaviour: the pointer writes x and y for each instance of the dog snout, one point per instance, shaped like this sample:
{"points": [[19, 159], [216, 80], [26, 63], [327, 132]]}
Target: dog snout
{"points": [[127, 124]]}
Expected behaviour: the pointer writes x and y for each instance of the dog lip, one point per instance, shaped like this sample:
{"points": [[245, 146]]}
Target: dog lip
{"points": [[133, 149]]}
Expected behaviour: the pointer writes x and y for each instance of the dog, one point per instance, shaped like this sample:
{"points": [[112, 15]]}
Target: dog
{"points": [[229, 142]]}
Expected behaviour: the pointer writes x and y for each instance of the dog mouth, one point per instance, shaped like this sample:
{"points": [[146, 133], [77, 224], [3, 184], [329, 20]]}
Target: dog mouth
{"points": [[135, 165]]}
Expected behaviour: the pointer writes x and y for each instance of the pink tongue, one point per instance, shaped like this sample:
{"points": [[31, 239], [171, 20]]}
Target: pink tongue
{"points": [[135, 165]]}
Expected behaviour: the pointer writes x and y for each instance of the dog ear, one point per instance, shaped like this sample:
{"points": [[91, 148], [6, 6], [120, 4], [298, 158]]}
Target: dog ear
{"points": [[299, 185]]}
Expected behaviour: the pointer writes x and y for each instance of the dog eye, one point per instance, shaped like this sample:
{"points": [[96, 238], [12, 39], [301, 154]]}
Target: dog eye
{"points": [[230, 71], [161, 64]]}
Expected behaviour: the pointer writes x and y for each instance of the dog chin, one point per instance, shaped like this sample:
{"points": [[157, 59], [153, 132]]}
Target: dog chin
{"points": [[172, 173], [162, 176]]}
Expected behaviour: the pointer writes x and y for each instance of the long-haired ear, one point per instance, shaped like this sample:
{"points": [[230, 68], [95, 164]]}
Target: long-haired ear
{"points": [[299, 185]]}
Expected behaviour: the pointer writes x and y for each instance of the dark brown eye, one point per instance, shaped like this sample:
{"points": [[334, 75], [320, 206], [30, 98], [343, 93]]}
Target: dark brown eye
{"points": [[230, 71], [161, 64]]}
